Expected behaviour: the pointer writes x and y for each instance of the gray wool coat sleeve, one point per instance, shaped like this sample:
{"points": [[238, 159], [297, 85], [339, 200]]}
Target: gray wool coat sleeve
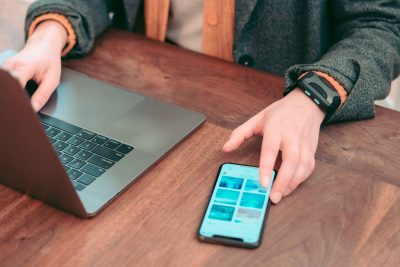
{"points": [[80, 13], [365, 57]]}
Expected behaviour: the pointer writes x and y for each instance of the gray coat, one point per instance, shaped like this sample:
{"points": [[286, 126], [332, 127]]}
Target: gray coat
{"points": [[355, 41]]}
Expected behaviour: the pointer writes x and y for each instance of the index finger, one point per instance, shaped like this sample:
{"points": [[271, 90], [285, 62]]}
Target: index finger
{"points": [[269, 152]]}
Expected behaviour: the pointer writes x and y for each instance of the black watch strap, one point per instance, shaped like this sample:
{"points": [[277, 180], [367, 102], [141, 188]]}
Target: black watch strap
{"points": [[321, 92]]}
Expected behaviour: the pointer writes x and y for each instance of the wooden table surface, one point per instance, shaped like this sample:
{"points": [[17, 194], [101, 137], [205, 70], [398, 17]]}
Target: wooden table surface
{"points": [[346, 214]]}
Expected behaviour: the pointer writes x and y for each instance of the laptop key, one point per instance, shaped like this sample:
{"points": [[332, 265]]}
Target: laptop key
{"points": [[101, 162], [52, 132], [93, 170], [125, 149], [86, 179], [72, 129], [74, 174], [77, 164], [72, 150], [85, 134], [111, 144], [76, 141], [63, 136], [45, 127], [87, 145], [83, 155], [65, 159], [58, 153], [66, 168], [78, 186], [60, 146], [99, 139], [107, 153], [52, 140]]}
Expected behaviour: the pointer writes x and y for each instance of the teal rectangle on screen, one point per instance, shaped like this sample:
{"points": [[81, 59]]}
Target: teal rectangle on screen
{"points": [[238, 204]]}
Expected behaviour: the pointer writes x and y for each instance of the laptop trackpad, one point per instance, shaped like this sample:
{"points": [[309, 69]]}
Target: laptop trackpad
{"points": [[89, 103]]}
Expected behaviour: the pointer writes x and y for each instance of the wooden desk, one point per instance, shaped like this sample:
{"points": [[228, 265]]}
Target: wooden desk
{"points": [[346, 214]]}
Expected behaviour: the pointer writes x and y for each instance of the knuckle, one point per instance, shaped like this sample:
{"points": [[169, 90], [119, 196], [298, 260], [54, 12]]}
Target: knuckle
{"points": [[270, 147], [292, 157], [309, 161], [293, 185], [40, 100]]}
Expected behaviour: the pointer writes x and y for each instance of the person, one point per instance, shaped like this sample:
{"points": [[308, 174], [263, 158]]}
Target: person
{"points": [[351, 45]]}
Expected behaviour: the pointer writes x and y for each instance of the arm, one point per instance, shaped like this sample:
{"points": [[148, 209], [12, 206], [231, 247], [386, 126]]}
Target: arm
{"points": [[364, 60], [55, 27], [365, 57], [88, 18]]}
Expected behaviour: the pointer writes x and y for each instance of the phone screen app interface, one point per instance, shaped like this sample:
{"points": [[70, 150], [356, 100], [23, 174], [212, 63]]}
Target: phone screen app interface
{"points": [[238, 204]]}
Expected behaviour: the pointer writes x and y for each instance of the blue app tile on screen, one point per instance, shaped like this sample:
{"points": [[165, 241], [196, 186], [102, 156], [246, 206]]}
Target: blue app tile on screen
{"points": [[231, 182], [226, 196], [223, 213], [252, 200], [254, 186]]}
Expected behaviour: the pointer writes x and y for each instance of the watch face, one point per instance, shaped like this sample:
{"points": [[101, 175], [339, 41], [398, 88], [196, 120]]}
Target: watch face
{"points": [[320, 91]]}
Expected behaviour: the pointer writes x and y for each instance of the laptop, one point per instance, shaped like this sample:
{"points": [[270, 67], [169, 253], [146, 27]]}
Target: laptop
{"points": [[89, 143]]}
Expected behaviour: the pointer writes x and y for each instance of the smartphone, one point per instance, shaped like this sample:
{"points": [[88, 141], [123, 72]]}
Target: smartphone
{"points": [[237, 209]]}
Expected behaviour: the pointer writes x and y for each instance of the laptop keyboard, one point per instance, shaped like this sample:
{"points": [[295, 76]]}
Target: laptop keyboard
{"points": [[84, 154]]}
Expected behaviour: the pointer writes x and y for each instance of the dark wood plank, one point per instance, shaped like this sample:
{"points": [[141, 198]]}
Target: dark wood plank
{"points": [[369, 147], [227, 93], [331, 220]]}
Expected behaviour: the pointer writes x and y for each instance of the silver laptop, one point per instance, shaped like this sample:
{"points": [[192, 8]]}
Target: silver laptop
{"points": [[89, 143]]}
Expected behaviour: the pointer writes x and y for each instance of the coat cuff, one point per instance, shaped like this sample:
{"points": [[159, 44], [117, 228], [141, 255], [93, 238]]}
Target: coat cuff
{"points": [[340, 82], [64, 21]]}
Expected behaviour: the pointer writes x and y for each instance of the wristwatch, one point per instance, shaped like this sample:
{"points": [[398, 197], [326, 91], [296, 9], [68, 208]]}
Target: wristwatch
{"points": [[321, 92]]}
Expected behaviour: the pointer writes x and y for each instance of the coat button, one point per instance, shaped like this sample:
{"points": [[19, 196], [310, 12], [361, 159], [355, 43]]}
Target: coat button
{"points": [[212, 19], [246, 60]]}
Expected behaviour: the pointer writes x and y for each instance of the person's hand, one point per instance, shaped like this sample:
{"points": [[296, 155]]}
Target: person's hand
{"points": [[40, 60], [292, 126]]}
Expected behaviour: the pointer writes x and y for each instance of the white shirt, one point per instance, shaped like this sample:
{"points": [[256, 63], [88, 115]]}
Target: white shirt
{"points": [[185, 24]]}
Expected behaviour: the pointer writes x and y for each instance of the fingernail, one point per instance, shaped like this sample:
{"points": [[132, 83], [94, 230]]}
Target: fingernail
{"points": [[265, 181], [35, 106], [276, 197]]}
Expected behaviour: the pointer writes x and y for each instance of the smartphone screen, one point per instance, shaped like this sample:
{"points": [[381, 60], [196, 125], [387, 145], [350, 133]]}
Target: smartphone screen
{"points": [[238, 207]]}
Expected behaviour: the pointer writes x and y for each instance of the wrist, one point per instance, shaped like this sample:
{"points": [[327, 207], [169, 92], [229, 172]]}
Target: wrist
{"points": [[51, 34], [306, 102]]}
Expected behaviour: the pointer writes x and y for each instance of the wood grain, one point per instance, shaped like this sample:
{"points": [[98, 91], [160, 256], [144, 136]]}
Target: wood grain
{"points": [[346, 214], [225, 92], [334, 219]]}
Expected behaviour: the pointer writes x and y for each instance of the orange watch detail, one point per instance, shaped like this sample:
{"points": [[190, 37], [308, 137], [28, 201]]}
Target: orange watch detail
{"points": [[63, 20]]}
